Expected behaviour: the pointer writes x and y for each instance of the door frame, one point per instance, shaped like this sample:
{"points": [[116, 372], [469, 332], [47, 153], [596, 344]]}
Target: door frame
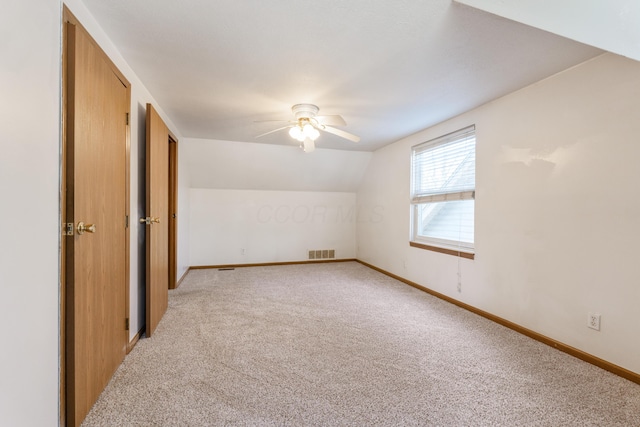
{"points": [[173, 211], [68, 17]]}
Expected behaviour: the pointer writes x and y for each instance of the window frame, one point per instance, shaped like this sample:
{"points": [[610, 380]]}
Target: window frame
{"points": [[417, 201]]}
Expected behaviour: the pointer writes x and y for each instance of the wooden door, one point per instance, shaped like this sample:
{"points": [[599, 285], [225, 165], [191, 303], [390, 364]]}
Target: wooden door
{"points": [[157, 220], [95, 213]]}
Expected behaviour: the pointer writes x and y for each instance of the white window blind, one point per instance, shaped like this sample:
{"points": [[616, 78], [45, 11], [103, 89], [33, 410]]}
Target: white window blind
{"points": [[443, 190]]}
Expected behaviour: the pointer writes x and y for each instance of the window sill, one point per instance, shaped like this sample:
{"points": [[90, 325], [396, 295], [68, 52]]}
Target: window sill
{"points": [[460, 254]]}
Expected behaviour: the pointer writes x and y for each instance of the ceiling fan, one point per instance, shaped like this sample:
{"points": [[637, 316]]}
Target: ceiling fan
{"points": [[307, 126]]}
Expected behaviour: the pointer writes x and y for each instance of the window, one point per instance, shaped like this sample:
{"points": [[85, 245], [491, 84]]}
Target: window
{"points": [[443, 182]]}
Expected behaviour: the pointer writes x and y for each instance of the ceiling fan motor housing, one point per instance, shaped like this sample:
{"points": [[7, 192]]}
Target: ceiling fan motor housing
{"points": [[301, 111]]}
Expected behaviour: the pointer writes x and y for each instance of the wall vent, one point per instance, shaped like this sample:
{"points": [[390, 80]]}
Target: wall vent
{"points": [[322, 254]]}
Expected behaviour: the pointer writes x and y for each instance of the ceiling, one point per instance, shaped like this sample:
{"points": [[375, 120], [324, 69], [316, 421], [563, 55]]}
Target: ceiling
{"points": [[389, 68]]}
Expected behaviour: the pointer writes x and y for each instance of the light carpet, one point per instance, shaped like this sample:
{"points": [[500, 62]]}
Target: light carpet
{"points": [[342, 345]]}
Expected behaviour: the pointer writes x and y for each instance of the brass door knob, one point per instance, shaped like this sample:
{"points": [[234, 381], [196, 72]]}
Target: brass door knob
{"points": [[82, 227], [150, 220]]}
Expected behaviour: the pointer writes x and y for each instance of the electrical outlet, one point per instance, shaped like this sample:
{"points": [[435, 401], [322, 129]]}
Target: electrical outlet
{"points": [[593, 321]]}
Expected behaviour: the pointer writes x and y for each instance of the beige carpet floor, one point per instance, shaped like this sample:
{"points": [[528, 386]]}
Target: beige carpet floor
{"points": [[342, 345]]}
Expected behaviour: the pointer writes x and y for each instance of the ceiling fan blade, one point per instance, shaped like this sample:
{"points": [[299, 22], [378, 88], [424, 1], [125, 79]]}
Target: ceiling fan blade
{"points": [[274, 120], [272, 131], [341, 133], [333, 120]]}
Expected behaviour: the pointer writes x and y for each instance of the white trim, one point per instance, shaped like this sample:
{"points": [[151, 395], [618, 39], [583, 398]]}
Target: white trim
{"points": [[445, 244], [446, 197]]}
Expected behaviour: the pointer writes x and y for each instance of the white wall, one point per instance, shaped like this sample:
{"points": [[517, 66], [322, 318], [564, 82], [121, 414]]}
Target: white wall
{"points": [[140, 96], [557, 210], [275, 202], [611, 25], [29, 226], [256, 226]]}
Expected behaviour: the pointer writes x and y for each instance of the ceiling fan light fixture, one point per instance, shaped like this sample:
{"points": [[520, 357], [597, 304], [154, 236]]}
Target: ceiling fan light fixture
{"points": [[295, 133], [310, 132]]}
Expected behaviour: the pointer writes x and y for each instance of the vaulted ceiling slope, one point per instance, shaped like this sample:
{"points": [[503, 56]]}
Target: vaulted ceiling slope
{"points": [[231, 166], [611, 25], [390, 68]]}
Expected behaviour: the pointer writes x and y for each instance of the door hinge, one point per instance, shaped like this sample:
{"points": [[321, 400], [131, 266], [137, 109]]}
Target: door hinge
{"points": [[127, 119], [126, 324], [67, 229], [126, 221]]}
